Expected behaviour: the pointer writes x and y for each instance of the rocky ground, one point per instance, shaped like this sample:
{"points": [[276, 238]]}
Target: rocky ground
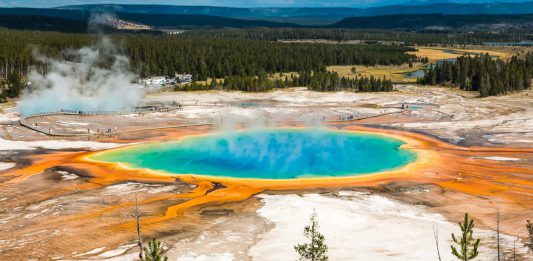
{"points": [[264, 227], [453, 115]]}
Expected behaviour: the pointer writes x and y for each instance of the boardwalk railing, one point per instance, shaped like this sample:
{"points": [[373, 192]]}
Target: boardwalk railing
{"points": [[93, 113], [61, 112], [51, 132]]}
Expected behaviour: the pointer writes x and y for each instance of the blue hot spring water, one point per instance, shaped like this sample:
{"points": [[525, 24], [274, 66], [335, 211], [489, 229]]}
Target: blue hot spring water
{"points": [[269, 154]]}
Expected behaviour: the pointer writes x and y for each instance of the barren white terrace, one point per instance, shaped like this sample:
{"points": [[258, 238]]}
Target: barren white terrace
{"points": [[356, 225]]}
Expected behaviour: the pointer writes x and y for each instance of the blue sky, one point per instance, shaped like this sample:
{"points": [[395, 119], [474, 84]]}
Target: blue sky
{"points": [[233, 3]]}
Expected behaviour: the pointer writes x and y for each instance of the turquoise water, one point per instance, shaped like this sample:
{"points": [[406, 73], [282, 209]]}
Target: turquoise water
{"points": [[269, 154]]}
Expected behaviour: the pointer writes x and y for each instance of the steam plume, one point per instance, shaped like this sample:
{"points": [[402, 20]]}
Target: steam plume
{"points": [[96, 78]]}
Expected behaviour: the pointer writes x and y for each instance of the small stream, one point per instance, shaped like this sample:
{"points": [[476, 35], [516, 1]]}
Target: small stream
{"points": [[420, 73]]}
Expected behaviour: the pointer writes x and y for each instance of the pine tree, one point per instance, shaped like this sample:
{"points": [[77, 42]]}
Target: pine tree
{"points": [[15, 83], [484, 74], [529, 242], [468, 246], [213, 84], [316, 249], [154, 252]]}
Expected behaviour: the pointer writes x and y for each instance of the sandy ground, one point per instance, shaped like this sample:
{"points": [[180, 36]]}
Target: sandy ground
{"points": [[394, 73], [441, 53], [263, 227]]}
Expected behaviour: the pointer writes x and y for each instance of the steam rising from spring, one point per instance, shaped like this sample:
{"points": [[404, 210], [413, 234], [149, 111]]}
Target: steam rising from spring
{"points": [[258, 148], [96, 78]]}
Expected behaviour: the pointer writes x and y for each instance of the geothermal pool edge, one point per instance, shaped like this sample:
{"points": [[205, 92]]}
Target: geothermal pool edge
{"points": [[422, 156]]}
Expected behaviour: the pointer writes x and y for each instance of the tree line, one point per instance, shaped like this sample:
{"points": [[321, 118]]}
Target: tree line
{"points": [[483, 74], [365, 35], [11, 87], [204, 57], [218, 58], [322, 81], [330, 81]]}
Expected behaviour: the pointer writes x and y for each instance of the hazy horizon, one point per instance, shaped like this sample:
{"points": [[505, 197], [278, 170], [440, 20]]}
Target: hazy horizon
{"points": [[241, 3]]}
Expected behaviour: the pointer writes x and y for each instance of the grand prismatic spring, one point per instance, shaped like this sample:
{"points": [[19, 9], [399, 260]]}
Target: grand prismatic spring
{"points": [[220, 172], [268, 154]]}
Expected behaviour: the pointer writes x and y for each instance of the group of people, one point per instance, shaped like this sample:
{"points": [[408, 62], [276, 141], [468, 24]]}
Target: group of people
{"points": [[108, 130], [346, 117]]}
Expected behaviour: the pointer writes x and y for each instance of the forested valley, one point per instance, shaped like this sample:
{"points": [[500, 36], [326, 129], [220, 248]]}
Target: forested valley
{"points": [[201, 56], [246, 59], [365, 35]]}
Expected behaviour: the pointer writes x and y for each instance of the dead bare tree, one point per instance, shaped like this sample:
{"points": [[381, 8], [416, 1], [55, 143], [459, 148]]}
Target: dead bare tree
{"points": [[514, 250], [436, 235], [498, 232], [138, 218]]}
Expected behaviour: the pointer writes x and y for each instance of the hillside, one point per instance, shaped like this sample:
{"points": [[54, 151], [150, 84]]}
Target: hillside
{"points": [[192, 20], [440, 22], [324, 13], [51, 16], [42, 23], [76, 21]]}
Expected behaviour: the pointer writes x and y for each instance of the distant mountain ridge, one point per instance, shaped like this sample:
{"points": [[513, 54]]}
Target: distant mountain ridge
{"points": [[57, 16], [58, 19], [443, 7], [440, 22], [42, 23]]}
